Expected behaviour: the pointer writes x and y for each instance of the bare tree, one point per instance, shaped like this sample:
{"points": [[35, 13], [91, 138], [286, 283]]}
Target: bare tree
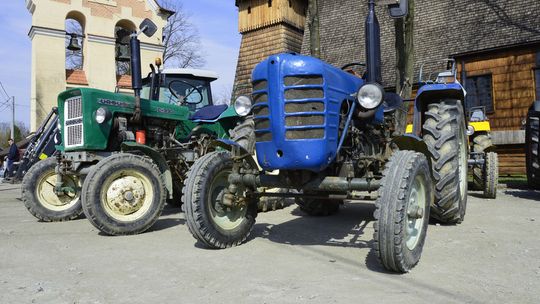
{"points": [[181, 38], [74, 59], [404, 62], [314, 28]]}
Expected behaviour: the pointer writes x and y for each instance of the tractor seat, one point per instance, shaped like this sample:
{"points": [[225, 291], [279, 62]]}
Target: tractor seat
{"points": [[392, 101], [208, 113]]}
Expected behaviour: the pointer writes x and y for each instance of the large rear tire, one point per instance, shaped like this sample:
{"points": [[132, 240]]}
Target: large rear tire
{"points": [[244, 134], [40, 198], [402, 211], [209, 221], [124, 194], [532, 148], [444, 133]]}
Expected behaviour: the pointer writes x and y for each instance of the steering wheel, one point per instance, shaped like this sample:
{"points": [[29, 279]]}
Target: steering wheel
{"points": [[184, 99], [352, 64], [348, 65]]}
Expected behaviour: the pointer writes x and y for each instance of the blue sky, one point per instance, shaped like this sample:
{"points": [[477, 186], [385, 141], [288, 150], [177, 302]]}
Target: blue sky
{"points": [[216, 22]]}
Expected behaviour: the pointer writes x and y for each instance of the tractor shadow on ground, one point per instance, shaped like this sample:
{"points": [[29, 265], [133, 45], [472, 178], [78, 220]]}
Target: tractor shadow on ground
{"points": [[524, 194], [347, 229], [343, 229], [168, 222]]}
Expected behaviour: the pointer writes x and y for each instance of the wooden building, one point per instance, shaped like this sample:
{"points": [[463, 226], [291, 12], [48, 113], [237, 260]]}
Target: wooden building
{"points": [[496, 44], [268, 27]]}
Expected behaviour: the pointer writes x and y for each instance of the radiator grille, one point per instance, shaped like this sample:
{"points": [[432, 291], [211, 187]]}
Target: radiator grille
{"points": [[304, 107], [73, 122]]}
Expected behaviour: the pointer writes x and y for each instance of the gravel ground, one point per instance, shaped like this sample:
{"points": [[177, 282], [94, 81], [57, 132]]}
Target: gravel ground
{"points": [[493, 257]]}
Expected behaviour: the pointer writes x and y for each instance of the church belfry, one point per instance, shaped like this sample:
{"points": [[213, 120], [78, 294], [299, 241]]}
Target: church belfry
{"points": [[268, 27]]}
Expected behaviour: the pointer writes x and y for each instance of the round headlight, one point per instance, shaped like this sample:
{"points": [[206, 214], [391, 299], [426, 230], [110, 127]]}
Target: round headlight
{"points": [[470, 130], [242, 105], [370, 96], [101, 115]]}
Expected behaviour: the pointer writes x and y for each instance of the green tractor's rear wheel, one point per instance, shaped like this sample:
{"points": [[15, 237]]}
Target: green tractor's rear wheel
{"points": [[40, 198], [124, 194], [208, 219], [444, 133], [402, 211]]}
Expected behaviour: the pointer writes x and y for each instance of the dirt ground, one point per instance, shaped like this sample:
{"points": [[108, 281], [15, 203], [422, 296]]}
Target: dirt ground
{"points": [[493, 257]]}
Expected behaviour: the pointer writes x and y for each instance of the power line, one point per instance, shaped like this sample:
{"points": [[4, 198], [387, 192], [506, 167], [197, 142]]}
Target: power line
{"points": [[7, 95]]}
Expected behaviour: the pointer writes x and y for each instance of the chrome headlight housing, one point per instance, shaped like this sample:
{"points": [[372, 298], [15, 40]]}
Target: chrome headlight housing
{"points": [[470, 130], [242, 105], [370, 96], [102, 115]]}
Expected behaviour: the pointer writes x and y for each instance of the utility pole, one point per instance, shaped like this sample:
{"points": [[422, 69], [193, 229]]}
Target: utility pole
{"points": [[13, 117]]}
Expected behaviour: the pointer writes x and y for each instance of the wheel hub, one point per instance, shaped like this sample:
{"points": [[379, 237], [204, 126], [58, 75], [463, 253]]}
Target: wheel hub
{"points": [[126, 195], [415, 213]]}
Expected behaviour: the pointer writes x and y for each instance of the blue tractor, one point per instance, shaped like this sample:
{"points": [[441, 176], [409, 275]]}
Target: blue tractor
{"points": [[331, 134]]}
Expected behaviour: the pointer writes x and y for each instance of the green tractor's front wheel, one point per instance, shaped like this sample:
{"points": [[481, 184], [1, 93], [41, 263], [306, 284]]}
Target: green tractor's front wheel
{"points": [[124, 194], [208, 219], [41, 199], [402, 211]]}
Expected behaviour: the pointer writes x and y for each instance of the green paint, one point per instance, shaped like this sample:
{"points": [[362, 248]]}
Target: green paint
{"points": [[96, 135]]}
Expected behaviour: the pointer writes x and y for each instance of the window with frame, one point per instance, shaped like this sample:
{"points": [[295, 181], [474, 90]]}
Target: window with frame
{"points": [[479, 92]]}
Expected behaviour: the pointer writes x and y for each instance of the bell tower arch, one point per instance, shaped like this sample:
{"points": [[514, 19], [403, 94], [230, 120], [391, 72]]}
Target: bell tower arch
{"points": [[74, 45]]}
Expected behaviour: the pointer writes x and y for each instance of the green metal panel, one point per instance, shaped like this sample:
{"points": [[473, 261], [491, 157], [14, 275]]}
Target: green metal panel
{"points": [[96, 135]]}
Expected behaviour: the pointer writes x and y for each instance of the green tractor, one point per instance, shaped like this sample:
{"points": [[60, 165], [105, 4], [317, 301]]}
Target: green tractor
{"points": [[122, 157]]}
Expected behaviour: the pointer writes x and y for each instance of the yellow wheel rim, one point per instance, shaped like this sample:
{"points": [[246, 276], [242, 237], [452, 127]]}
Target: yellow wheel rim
{"points": [[127, 195], [48, 197]]}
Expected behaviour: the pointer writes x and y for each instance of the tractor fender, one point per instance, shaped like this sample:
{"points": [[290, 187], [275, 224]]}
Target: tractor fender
{"points": [[157, 158], [433, 93], [414, 143], [230, 145]]}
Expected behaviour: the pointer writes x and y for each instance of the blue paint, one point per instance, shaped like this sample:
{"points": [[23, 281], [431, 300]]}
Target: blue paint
{"points": [[299, 154]]}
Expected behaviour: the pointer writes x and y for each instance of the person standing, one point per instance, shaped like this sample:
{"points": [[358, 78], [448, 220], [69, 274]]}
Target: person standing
{"points": [[13, 156]]}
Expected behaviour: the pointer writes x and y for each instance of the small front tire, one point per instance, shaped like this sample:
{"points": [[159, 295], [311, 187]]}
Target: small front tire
{"points": [[209, 221], [402, 211], [124, 194], [40, 198], [491, 175]]}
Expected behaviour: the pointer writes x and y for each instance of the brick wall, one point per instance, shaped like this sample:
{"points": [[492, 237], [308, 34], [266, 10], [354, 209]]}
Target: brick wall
{"points": [[443, 28]]}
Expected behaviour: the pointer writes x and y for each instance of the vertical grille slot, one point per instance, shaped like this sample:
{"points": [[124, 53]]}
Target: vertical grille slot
{"points": [[73, 124], [261, 111]]}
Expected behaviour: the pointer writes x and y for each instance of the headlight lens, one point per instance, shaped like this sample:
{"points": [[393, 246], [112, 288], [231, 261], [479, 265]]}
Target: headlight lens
{"points": [[242, 105], [101, 115], [370, 96]]}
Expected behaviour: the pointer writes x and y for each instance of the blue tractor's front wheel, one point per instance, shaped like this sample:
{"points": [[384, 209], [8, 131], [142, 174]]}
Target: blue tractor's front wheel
{"points": [[402, 211], [211, 221]]}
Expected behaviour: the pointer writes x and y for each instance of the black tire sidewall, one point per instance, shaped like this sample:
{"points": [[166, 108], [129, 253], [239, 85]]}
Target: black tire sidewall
{"points": [[30, 198], [198, 209], [93, 206]]}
